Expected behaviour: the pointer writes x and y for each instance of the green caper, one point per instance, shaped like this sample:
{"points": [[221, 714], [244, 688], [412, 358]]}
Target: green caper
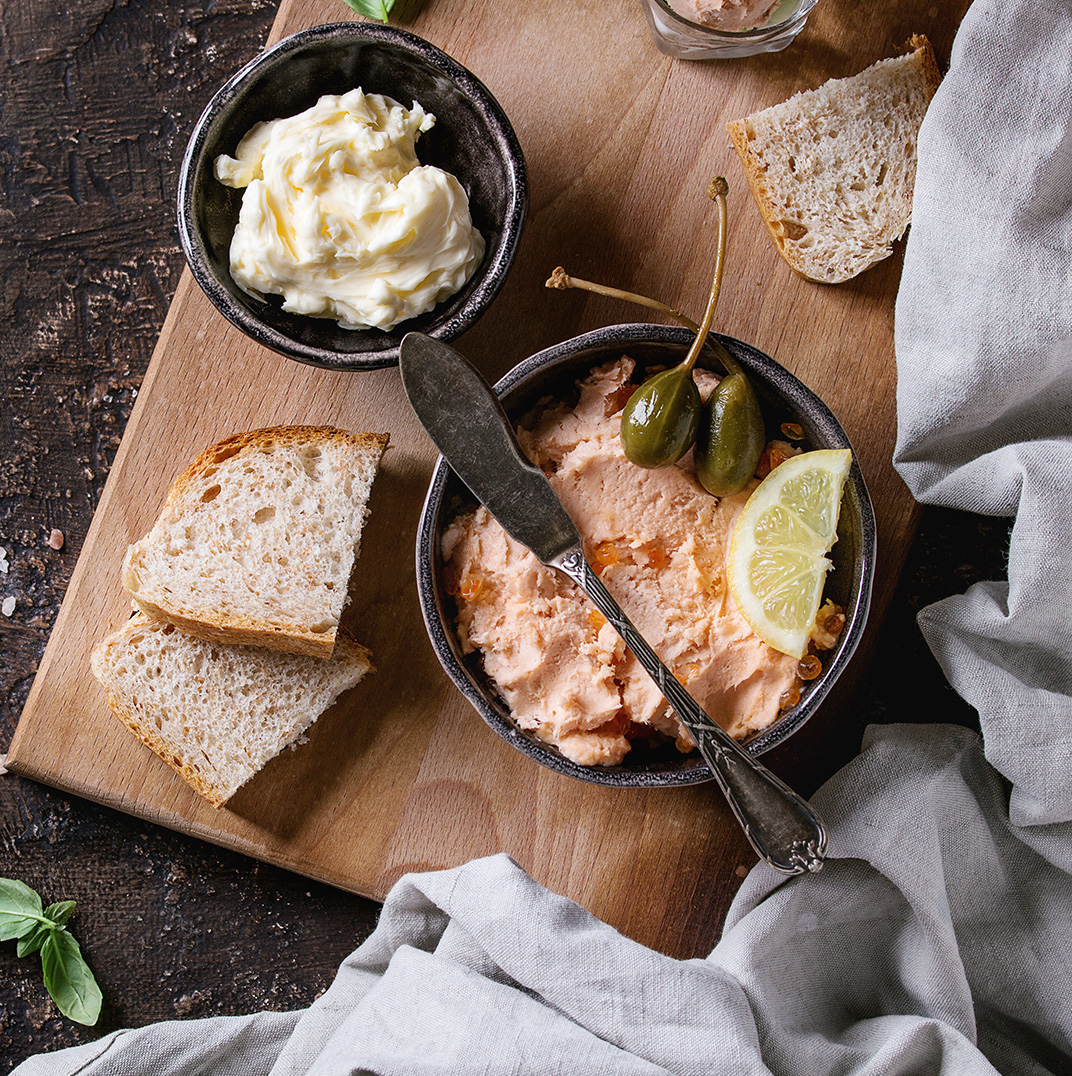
{"points": [[730, 438], [661, 419]]}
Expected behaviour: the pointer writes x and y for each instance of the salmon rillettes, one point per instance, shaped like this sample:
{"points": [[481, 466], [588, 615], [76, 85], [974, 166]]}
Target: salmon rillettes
{"points": [[658, 541]]}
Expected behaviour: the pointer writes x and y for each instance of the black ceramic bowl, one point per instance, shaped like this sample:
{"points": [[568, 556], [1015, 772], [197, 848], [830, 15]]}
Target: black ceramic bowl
{"points": [[472, 139], [553, 373]]}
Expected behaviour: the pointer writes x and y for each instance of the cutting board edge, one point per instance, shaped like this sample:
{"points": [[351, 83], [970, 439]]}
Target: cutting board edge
{"points": [[178, 824], [82, 564]]}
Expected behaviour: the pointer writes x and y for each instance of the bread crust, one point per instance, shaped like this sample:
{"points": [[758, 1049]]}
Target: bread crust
{"points": [[160, 747], [240, 629], [754, 168], [753, 173], [288, 436], [150, 735], [919, 44]]}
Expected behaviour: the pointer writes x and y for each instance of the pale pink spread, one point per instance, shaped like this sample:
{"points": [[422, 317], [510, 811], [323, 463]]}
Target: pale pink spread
{"points": [[659, 541], [730, 15]]}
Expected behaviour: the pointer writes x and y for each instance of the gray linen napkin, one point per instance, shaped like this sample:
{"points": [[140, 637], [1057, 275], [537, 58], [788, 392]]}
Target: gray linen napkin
{"points": [[984, 354], [938, 937]]}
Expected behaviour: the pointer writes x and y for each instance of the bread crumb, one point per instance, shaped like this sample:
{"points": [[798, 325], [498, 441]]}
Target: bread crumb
{"points": [[7, 607], [741, 871], [55, 539]]}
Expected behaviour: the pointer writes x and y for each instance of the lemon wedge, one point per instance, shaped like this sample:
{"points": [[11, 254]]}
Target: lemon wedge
{"points": [[777, 559]]}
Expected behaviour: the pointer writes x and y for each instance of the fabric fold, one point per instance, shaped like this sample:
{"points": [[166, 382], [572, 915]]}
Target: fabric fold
{"points": [[983, 335]]}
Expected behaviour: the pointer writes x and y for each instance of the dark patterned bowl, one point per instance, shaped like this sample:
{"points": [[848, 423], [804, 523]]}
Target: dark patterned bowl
{"points": [[553, 373], [472, 138]]}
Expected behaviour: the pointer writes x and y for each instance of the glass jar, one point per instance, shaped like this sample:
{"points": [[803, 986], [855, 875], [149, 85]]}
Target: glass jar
{"points": [[679, 36]]}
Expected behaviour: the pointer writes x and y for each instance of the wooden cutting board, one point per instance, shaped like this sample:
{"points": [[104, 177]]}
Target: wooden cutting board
{"points": [[402, 775]]}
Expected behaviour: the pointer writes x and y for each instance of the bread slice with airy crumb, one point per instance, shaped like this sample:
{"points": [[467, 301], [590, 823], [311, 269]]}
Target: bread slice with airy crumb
{"points": [[216, 713], [258, 538], [832, 170]]}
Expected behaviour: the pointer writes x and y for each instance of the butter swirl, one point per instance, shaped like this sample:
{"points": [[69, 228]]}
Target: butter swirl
{"points": [[340, 218]]}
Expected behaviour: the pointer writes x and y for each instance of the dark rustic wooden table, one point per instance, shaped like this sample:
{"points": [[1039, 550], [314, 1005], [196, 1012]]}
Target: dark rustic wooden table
{"points": [[98, 100]]}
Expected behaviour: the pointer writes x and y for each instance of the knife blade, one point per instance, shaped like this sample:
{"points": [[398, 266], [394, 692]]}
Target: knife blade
{"points": [[467, 424]]}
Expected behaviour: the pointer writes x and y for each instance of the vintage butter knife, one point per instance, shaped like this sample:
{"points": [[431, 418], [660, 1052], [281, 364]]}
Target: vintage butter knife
{"points": [[469, 427]]}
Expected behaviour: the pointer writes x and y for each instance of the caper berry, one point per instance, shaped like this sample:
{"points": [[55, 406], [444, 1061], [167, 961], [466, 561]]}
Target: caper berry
{"points": [[664, 417], [660, 422], [730, 438], [661, 419]]}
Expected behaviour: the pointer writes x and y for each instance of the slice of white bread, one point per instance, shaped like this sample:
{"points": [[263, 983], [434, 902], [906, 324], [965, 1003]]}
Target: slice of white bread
{"points": [[217, 713], [832, 170], [258, 538]]}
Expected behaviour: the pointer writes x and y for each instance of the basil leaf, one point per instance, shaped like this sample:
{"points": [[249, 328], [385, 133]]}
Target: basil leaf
{"points": [[68, 978], [374, 9], [20, 909], [30, 943], [60, 912]]}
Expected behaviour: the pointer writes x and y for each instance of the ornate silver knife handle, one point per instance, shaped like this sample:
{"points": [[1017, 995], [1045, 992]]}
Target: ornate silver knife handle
{"points": [[780, 825]]}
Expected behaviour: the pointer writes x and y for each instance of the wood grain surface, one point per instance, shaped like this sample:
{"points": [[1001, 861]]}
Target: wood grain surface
{"points": [[620, 142]]}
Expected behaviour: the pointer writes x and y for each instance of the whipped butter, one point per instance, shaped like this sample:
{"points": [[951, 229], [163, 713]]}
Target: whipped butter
{"points": [[341, 219]]}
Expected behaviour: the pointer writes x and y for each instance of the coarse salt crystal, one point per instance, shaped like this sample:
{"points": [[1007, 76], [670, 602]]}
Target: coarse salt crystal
{"points": [[7, 606]]}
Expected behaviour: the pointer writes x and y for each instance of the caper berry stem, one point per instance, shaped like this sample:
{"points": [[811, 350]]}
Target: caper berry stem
{"points": [[561, 280], [716, 189]]}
